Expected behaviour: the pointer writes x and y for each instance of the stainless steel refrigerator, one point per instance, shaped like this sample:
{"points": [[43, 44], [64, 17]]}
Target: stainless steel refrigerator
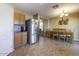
{"points": [[32, 28]]}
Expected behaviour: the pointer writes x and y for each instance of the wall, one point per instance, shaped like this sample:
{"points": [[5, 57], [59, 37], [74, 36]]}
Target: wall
{"points": [[6, 29], [45, 24], [41, 24], [72, 24]]}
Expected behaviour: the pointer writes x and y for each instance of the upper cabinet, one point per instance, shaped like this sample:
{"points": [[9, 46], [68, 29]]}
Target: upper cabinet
{"points": [[19, 18]]}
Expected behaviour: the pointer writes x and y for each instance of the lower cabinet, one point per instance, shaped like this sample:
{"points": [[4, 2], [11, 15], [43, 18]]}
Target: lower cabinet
{"points": [[20, 39], [17, 40], [24, 38]]}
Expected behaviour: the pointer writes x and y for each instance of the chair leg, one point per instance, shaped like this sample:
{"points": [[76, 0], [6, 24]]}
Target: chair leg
{"points": [[65, 39]]}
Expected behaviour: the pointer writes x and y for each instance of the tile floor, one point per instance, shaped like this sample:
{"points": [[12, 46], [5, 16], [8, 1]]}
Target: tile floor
{"points": [[48, 47]]}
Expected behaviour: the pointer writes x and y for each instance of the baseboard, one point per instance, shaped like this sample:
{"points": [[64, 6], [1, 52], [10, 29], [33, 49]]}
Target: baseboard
{"points": [[10, 52], [6, 54], [3, 54]]}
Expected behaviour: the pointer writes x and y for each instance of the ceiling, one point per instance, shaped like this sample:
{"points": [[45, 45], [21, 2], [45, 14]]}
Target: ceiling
{"points": [[45, 10]]}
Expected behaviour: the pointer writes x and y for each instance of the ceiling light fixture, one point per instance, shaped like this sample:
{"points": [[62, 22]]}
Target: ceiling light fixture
{"points": [[55, 6], [64, 18], [63, 14]]}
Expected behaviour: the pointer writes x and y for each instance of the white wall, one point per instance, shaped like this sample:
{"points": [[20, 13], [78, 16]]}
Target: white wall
{"points": [[6, 29], [45, 24], [41, 24]]}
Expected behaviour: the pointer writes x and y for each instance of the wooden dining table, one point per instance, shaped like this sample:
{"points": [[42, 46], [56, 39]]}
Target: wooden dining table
{"points": [[63, 33], [59, 34]]}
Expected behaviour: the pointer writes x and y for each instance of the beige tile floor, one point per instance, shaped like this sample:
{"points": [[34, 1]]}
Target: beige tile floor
{"points": [[48, 47]]}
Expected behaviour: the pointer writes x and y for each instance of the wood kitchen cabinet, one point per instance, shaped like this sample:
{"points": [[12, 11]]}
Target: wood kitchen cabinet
{"points": [[19, 17], [22, 19], [17, 40], [24, 38], [20, 38]]}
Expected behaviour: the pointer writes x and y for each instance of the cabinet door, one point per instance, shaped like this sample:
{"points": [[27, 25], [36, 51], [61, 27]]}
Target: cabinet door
{"points": [[19, 17], [16, 18], [22, 19], [17, 40], [24, 39]]}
